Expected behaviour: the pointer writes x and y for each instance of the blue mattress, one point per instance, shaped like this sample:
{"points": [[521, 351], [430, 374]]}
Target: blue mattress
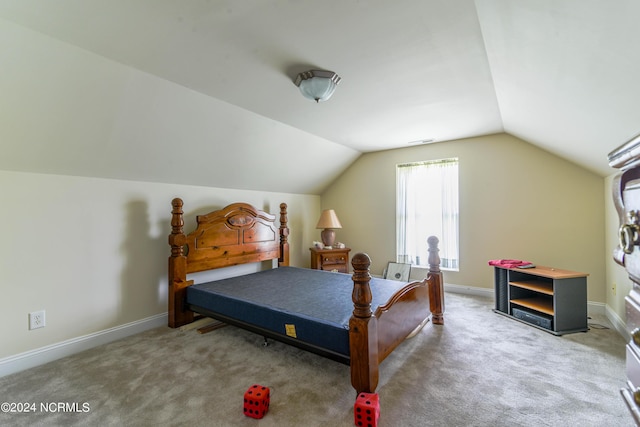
{"points": [[311, 306]]}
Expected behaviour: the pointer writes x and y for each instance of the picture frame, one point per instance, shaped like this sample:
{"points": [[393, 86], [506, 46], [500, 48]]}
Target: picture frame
{"points": [[398, 271]]}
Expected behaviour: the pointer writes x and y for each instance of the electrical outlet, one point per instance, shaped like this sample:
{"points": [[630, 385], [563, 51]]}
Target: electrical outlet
{"points": [[36, 320]]}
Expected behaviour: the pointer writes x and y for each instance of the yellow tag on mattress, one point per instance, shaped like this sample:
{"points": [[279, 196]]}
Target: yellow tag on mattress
{"points": [[290, 330]]}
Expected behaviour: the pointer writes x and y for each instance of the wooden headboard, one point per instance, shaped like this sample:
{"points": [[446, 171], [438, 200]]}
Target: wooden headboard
{"points": [[236, 234]]}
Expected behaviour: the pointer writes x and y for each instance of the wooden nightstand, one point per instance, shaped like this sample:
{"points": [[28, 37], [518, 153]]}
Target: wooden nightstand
{"points": [[330, 259]]}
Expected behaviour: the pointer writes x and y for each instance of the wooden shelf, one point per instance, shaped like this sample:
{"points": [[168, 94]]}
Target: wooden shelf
{"points": [[535, 285], [551, 299], [543, 305], [549, 272]]}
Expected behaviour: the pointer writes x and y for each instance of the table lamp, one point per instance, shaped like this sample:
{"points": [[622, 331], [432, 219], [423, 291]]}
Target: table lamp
{"points": [[329, 221]]}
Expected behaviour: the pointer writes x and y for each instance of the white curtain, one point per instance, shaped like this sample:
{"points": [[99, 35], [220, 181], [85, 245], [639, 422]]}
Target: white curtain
{"points": [[427, 204]]}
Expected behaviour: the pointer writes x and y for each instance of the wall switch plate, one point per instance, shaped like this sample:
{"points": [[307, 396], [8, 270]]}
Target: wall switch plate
{"points": [[36, 320]]}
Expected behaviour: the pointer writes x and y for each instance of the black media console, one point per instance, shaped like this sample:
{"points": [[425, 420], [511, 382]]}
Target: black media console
{"points": [[551, 299]]}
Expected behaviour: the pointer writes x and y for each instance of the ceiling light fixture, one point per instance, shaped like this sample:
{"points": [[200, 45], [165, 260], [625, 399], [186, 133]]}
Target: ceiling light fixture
{"points": [[318, 85]]}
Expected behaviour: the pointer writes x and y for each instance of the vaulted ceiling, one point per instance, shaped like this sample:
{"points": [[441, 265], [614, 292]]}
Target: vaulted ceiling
{"points": [[560, 74]]}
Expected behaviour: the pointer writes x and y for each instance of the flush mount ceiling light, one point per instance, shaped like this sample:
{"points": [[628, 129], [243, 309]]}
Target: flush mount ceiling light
{"points": [[318, 85]]}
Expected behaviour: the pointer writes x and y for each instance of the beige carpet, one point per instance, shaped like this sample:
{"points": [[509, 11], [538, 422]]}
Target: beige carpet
{"points": [[479, 369]]}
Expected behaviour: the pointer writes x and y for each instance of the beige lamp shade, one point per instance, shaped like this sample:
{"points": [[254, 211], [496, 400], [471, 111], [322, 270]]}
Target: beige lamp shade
{"points": [[328, 221]]}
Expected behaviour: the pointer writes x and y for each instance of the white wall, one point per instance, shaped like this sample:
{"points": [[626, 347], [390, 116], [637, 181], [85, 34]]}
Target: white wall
{"points": [[516, 201], [93, 252], [83, 139]]}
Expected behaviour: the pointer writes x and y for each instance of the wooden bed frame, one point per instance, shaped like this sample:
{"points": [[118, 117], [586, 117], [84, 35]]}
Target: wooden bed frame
{"points": [[240, 233]]}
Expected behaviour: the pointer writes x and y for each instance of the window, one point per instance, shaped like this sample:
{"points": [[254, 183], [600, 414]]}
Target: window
{"points": [[426, 205]]}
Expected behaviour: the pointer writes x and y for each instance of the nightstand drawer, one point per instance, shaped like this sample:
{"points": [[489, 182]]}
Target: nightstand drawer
{"points": [[334, 259]]}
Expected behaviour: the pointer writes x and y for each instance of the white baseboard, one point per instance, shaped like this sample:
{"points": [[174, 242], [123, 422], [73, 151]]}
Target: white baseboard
{"points": [[618, 324], [593, 307], [598, 308], [42, 355], [469, 290]]}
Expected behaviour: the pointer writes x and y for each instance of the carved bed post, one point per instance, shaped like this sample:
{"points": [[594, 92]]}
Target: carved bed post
{"points": [[436, 286], [363, 342], [283, 260], [177, 269]]}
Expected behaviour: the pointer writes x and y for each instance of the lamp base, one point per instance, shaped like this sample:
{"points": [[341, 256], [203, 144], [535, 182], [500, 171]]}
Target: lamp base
{"points": [[328, 237]]}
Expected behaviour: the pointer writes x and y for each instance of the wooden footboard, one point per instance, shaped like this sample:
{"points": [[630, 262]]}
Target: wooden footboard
{"points": [[373, 336]]}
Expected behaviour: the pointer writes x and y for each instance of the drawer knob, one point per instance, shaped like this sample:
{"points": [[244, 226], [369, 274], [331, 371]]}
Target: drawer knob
{"points": [[635, 336], [628, 234], [636, 396]]}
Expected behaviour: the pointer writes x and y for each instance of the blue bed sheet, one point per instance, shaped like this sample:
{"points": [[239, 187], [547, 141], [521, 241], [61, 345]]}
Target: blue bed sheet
{"points": [[312, 306]]}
